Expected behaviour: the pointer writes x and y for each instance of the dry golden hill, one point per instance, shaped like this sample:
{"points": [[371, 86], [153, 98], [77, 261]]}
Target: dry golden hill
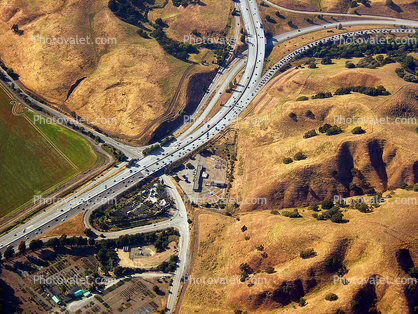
{"points": [[132, 81], [381, 158], [382, 243]]}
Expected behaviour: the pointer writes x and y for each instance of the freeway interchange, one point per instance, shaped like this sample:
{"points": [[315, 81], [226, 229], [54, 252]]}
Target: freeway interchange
{"points": [[105, 188]]}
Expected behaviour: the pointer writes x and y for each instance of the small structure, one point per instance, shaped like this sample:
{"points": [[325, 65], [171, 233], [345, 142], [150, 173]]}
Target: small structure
{"points": [[197, 177], [79, 293], [219, 184], [126, 248], [56, 300]]}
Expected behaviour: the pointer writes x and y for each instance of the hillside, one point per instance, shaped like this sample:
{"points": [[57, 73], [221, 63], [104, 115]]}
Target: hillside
{"points": [[131, 81], [381, 243], [381, 158]]}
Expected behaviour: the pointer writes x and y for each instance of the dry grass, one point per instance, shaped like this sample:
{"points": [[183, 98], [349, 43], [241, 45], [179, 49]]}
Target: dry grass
{"points": [[372, 241], [262, 147], [72, 227], [208, 18], [132, 81]]}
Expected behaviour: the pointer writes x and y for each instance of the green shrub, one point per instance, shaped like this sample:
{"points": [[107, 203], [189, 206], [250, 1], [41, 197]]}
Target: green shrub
{"points": [[324, 128], [269, 270], [302, 302], [358, 130], [327, 204], [307, 253], [302, 98], [334, 130], [331, 297], [312, 65], [299, 156], [322, 95], [309, 114], [314, 207], [287, 160], [402, 185], [310, 133], [293, 214]]}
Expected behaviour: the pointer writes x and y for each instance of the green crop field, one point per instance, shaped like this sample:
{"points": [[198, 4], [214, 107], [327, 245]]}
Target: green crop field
{"points": [[35, 158]]}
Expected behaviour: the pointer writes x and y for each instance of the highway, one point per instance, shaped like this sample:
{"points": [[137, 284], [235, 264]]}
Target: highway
{"points": [[328, 14], [129, 151], [103, 190]]}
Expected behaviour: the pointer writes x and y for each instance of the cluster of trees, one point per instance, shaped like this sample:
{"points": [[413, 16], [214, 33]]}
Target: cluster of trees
{"points": [[16, 29], [396, 52], [173, 47], [115, 152], [292, 214], [370, 91], [409, 70], [322, 95], [298, 156], [184, 3], [166, 140], [334, 214], [329, 129], [149, 149], [128, 11], [120, 271], [52, 243], [408, 187], [168, 266]]}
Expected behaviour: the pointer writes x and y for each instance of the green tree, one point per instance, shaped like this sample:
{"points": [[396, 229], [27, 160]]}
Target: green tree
{"points": [[327, 204], [299, 156], [331, 297], [9, 252], [22, 247], [287, 160]]}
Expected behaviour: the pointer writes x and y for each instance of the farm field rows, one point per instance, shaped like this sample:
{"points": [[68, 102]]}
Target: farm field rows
{"points": [[35, 158]]}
